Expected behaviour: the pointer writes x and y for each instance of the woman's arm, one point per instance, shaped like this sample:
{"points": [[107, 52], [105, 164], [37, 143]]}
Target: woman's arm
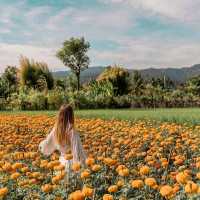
{"points": [[47, 146], [78, 152]]}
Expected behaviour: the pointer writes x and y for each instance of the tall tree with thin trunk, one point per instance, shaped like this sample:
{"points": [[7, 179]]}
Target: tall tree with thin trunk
{"points": [[74, 55]]}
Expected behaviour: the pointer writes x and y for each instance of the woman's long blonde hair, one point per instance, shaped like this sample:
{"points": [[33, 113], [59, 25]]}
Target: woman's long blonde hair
{"points": [[64, 125]]}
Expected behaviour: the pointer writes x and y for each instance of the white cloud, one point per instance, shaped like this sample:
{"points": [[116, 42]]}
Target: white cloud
{"points": [[71, 19], [143, 53], [45, 29], [182, 10], [133, 53], [92, 24], [10, 54]]}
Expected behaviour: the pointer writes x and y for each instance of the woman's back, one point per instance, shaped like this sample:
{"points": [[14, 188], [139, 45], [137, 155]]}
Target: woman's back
{"points": [[63, 138], [50, 144]]}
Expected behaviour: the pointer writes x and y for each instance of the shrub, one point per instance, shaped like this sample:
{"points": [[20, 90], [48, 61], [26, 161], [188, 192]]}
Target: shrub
{"points": [[123, 101], [103, 88], [2, 104], [79, 99], [56, 98], [104, 102], [37, 101]]}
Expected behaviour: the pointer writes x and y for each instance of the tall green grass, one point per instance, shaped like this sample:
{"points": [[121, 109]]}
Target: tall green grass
{"points": [[177, 115]]}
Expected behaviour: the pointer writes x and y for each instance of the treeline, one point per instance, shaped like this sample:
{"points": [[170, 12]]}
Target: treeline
{"points": [[32, 86]]}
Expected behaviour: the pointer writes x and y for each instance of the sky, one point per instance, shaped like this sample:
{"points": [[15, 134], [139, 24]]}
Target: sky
{"points": [[135, 34]]}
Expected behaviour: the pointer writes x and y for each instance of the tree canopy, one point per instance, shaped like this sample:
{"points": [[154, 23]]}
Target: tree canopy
{"points": [[117, 76], [35, 74], [74, 55]]}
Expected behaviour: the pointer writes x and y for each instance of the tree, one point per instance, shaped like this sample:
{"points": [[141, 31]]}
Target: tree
{"points": [[71, 83], [60, 84], [10, 77], [35, 74], [73, 55], [10, 74], [164, 82], [136, 83], [193, 85], [4, 88], [155, 95], [117, 76]]}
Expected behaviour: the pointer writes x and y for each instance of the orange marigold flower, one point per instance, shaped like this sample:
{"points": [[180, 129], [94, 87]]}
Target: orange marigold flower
{"points": [[107, 197], [59, 167], [166, 190], [113, 188], [47, 188], [178, 161], [7, 167], [85, 174], [120, 183], [77, 195], [90, 161], [3, 192], [137, 184], [56, 179], [150, 182], [96, 168], [36, 174], [144, 170], [76, 166], [17, 166], [120, 167], [43, 163], [198, 175], [122, 170], [165, 163], [87, 191], [182, 178], [191, 187], [110, 161], [15, 175]]}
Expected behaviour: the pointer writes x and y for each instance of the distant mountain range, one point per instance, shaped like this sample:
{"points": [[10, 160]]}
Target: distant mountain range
{"points": [[179, 75], [89, 74]]}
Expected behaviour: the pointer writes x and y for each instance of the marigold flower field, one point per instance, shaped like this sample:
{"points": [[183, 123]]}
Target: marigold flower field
{"points": [[126, 160]]}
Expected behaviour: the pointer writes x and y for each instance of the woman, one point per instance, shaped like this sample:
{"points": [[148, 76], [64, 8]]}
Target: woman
{"points": [[63, 138]]}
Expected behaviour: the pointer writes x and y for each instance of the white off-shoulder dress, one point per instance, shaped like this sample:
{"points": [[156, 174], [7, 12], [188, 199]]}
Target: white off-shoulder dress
{"points": [[49, 145]]}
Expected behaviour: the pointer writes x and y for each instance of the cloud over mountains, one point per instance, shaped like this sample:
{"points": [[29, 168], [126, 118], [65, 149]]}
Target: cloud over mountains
{"points": [[133, 33]]}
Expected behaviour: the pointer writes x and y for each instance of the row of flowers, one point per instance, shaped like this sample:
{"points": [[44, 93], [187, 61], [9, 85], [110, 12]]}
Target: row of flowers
{"points": [[126, 160]]}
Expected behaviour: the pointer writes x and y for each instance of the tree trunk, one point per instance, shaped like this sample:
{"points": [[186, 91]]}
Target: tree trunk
{"points": [[78, 81]]}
